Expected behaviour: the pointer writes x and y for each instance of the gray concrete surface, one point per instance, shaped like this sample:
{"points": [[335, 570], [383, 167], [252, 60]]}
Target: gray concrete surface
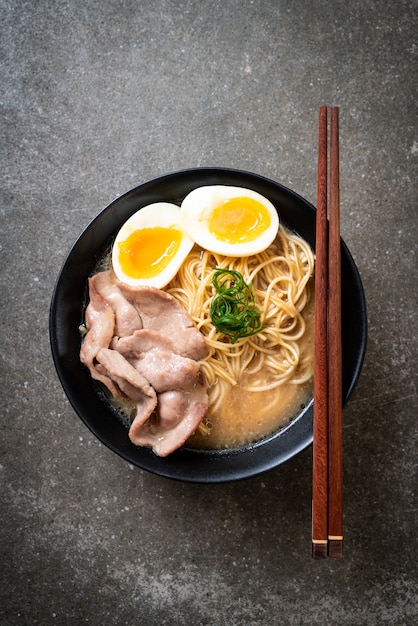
{"points": [[98, 96]]}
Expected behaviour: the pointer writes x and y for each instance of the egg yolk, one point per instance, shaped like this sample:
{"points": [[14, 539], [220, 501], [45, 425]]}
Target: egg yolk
{"points": [[147, 252], [239, 220]]}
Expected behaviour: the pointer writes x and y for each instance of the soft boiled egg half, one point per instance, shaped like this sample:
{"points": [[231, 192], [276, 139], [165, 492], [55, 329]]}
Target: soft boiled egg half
{"points": [[151, 246], [229, 220]]}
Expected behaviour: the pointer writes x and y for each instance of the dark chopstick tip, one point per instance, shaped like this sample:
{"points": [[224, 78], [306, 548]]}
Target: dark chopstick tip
{"points": [[335, 548], [319, 550]]}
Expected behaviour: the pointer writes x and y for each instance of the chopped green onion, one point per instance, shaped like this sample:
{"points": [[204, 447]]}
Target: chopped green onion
{"points": [[232, 310]]}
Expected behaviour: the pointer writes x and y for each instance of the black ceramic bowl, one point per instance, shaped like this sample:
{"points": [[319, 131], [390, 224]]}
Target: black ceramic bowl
{"points": [[67, 311]]}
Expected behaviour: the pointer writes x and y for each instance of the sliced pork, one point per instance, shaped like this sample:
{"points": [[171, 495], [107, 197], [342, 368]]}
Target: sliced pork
{"points": [[142, 341], [100, 321], [166, 370], [178, 415], [160, 312], [127, 319], [141, 344], [129, 381]]}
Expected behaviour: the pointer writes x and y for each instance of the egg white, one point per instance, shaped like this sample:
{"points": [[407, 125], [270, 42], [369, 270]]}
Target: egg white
{"points": [[197, 207], [158, 214]]}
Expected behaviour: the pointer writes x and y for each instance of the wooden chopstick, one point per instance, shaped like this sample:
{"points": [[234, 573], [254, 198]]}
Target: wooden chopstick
{"points": [[327, 509], [320, 408], [335, 499]]}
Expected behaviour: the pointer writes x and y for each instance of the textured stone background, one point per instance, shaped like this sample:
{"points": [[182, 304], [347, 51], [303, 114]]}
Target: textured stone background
{"points": [[98, 96]]}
